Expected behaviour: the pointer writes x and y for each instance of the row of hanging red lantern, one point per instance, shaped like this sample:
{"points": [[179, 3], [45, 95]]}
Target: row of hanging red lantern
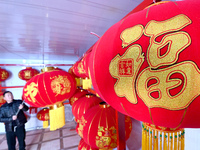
{"points": [[4, 74], [149, 63]]}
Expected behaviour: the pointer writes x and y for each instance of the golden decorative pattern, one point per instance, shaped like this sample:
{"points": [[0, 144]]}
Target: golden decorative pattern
{"points": [[60, 85], [131, 35], [127, 66], [106, 137], [4, 75], [130, 62], [176, 41], [82, 123], [80, 68], [31, 91], [182, 99]]}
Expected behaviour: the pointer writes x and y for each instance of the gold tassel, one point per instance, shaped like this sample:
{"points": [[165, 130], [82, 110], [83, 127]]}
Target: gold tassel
{"points": [[182, 140], [147, 138], [179, 141], [78, 81], [87, 83], [175, 141], [45, 124], [160, 140], [57, 116], [156, 140], [171, 141], [168, 142], [150, 138], [143, 137], [165, 141]]}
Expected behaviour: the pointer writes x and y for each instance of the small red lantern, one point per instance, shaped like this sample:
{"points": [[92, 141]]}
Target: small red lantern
{"points": [[79, 69], [99, 127], [3, 74], [83, 146], [78, 94], [28, 73], [49, 89], [83, 104], [43, 115]]}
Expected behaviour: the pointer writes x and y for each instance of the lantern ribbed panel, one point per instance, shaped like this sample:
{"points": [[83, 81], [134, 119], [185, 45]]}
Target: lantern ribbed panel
{"points": [[83, 104]]}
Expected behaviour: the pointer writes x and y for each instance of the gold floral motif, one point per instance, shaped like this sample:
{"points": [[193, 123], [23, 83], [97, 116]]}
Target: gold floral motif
{"points": [[60, 85], [80, 68], [27, 74], [31, 91], [106, 137], [82, 123]]}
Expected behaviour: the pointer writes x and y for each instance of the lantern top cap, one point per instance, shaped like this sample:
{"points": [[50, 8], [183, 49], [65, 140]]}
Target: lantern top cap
{"points": [[104, 105], [47, 69]]}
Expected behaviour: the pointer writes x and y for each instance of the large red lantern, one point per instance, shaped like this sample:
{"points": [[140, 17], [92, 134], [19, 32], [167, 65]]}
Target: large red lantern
{"points": [[83, 104], [149, 63], [100, 128], [3, 74], [28, 73], [78, 94], [43, 115], [83, 146], [49, 89]]}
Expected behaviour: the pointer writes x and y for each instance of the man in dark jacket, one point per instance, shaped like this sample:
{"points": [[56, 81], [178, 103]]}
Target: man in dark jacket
{"points": [[11, 113]]}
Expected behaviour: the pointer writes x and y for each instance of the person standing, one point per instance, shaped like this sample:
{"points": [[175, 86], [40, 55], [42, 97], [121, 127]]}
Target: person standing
{"points": [[11, 113]]}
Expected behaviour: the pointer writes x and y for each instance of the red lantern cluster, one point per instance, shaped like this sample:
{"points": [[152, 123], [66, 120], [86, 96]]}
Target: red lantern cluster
{"points": [[28, 73]]}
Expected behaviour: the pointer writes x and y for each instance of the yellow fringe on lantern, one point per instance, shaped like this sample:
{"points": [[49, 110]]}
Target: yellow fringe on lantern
{"points": [[87, 83], [78, 81], [162, 138], [57, 116], [45, 124]]}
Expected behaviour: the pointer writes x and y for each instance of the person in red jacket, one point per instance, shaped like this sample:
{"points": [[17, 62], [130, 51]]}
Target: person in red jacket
{"points": [[11, 113]]}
